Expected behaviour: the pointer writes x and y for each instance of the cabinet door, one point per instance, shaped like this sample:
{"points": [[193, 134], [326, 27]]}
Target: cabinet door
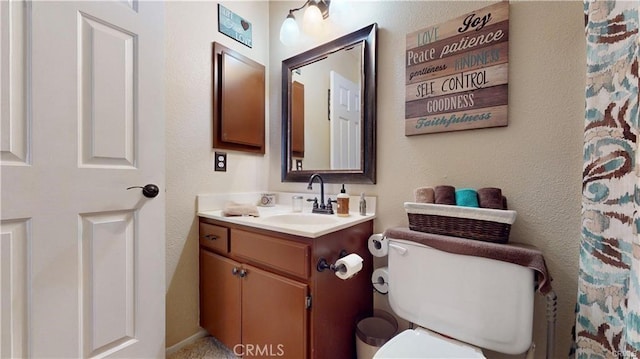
{"points": [[274, 315], [238, 101], [297, 119], [220, 303]]}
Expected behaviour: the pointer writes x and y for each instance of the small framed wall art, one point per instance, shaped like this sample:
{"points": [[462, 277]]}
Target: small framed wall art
{"points": [[232, 25]]}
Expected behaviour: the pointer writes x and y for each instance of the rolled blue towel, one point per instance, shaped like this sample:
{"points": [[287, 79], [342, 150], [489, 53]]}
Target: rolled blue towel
{"points": [[467, 197]]}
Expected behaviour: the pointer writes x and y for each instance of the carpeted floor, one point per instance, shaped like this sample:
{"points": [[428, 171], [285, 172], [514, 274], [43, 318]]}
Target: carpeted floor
{"points": [[204, 348]]}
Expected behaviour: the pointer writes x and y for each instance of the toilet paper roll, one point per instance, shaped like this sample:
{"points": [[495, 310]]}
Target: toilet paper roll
{"points": [[380, 280], [348, 266], [378, 245]]}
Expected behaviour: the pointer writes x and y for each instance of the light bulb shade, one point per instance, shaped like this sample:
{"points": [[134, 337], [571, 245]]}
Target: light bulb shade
{"points": [[312, 21], [289, 31]]}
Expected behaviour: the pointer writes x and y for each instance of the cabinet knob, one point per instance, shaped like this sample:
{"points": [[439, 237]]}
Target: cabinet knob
{"points": [[211, 237], [243, 273], [234, 271]]}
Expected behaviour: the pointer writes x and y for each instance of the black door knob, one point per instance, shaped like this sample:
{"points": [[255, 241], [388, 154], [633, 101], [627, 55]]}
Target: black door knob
{"points": [[149, 191]]}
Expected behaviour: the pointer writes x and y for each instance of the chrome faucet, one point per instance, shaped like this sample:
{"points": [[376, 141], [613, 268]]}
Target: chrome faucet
{"points": [[322, 208]]}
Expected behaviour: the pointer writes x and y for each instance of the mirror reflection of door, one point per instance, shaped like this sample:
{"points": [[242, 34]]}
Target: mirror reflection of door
{"points": [[346, 124], [312, 83]]}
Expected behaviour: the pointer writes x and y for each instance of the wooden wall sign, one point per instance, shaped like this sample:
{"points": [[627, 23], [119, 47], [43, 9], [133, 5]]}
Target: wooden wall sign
{"points": [[457, 73]]}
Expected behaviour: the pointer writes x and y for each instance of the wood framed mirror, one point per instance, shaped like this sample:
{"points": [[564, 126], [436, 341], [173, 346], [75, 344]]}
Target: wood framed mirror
{"points": [[329, 111]]}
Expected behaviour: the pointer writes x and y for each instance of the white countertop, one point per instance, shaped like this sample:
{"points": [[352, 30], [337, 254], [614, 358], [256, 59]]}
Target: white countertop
{"points": [[304, 230], [211, 205]]}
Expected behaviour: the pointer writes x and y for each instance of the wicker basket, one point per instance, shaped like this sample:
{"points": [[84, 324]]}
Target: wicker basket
{"points": [[482, 224]]}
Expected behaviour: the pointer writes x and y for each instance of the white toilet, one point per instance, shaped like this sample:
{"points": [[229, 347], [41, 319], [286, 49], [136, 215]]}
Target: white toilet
{"points": [[475, 302]]}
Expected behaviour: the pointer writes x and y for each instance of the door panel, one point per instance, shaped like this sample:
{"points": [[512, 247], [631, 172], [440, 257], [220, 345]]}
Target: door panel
{"points": [[14, 238], [107, 117], [346, 124], [14, 73], [108, 255], [93, 125]]}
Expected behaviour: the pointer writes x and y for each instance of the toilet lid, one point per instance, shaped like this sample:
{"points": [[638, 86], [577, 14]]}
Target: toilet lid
{"points": [[421, 343]]}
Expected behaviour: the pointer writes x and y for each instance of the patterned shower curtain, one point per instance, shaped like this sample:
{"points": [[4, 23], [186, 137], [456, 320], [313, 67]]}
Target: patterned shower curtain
{"points": [[608, 303]]}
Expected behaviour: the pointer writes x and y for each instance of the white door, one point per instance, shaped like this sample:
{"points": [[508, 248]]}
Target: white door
{"points": [[345, 123], [81, 257]]}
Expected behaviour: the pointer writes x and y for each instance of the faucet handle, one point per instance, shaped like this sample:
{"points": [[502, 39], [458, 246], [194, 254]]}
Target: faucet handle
{"points": [[329, 201], [314, 200]]}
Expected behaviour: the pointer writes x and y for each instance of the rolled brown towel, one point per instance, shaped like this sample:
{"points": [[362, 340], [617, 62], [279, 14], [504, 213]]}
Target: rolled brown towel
{"points": [[424, 195], [445, 195], [490, 197]]}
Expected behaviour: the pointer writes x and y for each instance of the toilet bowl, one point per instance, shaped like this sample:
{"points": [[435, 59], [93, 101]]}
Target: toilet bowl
{"points": [[422, 343]]}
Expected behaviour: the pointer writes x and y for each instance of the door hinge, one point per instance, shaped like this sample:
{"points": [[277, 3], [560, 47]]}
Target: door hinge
{"points": [[308, 302]]}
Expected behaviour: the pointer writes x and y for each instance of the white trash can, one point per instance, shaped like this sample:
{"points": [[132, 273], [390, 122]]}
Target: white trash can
{"points": [[373, 332]]}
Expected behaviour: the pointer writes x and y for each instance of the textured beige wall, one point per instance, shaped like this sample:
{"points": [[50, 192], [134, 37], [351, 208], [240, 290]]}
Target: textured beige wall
{"points": [[536, 160], [191, 27]]}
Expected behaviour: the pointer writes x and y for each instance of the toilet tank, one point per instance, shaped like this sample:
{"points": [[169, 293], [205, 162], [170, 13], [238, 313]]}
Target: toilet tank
{"points": [[484, 302]]}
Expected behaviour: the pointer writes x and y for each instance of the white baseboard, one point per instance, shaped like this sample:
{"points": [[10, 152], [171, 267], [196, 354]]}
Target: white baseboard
{"points": [[174, 348]]}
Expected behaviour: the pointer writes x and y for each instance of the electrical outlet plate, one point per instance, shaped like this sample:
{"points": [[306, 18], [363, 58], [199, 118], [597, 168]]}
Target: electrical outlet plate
{"points": [[220, 162]]}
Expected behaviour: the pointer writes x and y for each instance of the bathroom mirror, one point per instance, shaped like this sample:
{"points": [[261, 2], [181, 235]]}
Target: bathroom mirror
{"points": [[329, 111]]}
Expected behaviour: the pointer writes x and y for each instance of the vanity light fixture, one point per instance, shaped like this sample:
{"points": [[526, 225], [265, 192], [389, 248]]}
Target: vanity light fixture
{"points": [[316, 11]]}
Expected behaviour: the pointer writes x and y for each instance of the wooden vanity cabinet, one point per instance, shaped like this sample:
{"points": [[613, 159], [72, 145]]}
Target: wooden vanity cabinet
{"points": [[246, 305], [261, 289]]}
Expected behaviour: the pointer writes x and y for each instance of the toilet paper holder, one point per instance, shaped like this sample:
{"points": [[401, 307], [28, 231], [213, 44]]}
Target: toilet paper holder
{"points": [[323, 264]]}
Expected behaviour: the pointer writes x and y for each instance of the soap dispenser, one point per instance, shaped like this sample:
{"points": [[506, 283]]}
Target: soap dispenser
{"points": [[343, 203], [363, 205]]}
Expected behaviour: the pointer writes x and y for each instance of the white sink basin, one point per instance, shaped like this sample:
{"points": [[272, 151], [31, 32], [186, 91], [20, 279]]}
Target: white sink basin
{"points": [[304, 219]]}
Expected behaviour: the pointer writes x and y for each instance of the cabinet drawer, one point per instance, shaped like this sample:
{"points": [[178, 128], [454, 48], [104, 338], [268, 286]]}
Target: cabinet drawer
{"points": [[287, 256], [214, 237]]}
